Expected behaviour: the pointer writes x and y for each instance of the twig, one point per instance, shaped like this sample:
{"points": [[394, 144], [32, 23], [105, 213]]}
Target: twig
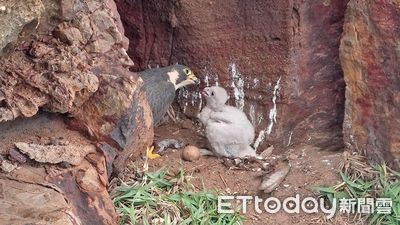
{"points": [[223, 180]]}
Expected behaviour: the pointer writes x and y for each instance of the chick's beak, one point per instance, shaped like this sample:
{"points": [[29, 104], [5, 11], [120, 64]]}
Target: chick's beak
{"points": [[205, 92]]}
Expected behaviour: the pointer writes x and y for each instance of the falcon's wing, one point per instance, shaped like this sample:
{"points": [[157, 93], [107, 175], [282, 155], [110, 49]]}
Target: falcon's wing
{"points": [[160, 96]]}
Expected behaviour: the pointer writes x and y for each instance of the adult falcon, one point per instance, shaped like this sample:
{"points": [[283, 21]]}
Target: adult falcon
{"points": [[160, 85]]}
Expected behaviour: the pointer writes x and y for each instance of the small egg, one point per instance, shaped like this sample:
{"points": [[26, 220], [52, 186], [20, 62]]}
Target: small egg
{"points": [[190, 153]]}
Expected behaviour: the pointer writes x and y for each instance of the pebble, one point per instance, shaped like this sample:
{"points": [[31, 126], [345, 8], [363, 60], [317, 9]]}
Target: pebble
{"points": [[293, 156], [267, 152], [271, 181], [187, 124], [7, 166], [53, 141], [17, 156]]}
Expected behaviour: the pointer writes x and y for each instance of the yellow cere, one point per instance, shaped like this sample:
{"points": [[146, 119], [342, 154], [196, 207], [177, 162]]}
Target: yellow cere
{"points": [[150, 154]]}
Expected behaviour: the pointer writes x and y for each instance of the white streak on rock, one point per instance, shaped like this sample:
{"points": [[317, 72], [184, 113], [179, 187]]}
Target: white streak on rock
{"points": [[274, 111], [272, 117], [252, 114], [185, 94], [216, 81], [206, 81], [290, 138], [184, 107], [238, 85], [255, 82], [261, 136], [201, 101]]}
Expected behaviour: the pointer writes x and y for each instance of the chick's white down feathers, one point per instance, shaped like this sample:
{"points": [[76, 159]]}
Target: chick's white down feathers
{"points": [[228, 130]]}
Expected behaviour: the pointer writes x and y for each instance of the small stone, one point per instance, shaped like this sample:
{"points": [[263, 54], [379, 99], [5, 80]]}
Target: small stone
{"points": [[53, 141], [227, 162], [267, 152], [2, 8], [293, 156], [237, 161], [17, 156], [65, 165], [64, 142], [7, 166], [271, 182], [260, 173], [187, 124], [190, 153]]}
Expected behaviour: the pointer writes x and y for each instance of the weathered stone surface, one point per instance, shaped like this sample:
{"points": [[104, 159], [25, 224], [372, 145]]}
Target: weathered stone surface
{"points": [[7, 166], [113, 7], [68, 57], [279, 60], [370, 57], [118, 113], [46, 193], [14, 15], [24, 203], [56, 74], [72, 154], [74, 62], [315, 86]]}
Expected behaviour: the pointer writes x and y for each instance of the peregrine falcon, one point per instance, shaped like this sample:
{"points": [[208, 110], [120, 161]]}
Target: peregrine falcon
{"points": [[160, 85]]}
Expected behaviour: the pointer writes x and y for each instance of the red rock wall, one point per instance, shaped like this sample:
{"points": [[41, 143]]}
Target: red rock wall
{"points": [[370, 56], [279, 59], [315, 85]]}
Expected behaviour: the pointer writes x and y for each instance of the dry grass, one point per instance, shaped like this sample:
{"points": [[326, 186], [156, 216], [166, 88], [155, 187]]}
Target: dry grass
{"points": [[364, 180]]}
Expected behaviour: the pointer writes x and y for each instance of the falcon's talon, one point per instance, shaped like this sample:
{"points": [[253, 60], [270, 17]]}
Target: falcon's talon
{"points": [[150, 154]]}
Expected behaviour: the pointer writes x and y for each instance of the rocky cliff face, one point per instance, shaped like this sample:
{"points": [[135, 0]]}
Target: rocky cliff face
{"points": [[66, 57], [279, 60], [69, 58], [370, 56], [314, 112]]}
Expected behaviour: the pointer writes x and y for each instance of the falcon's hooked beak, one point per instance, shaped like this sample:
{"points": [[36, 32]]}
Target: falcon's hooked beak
{"points": [[191, 77], [196, 81]]}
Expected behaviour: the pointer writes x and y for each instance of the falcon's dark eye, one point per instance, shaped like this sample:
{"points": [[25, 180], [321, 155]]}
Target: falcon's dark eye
{"points": [[212, 93]]}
